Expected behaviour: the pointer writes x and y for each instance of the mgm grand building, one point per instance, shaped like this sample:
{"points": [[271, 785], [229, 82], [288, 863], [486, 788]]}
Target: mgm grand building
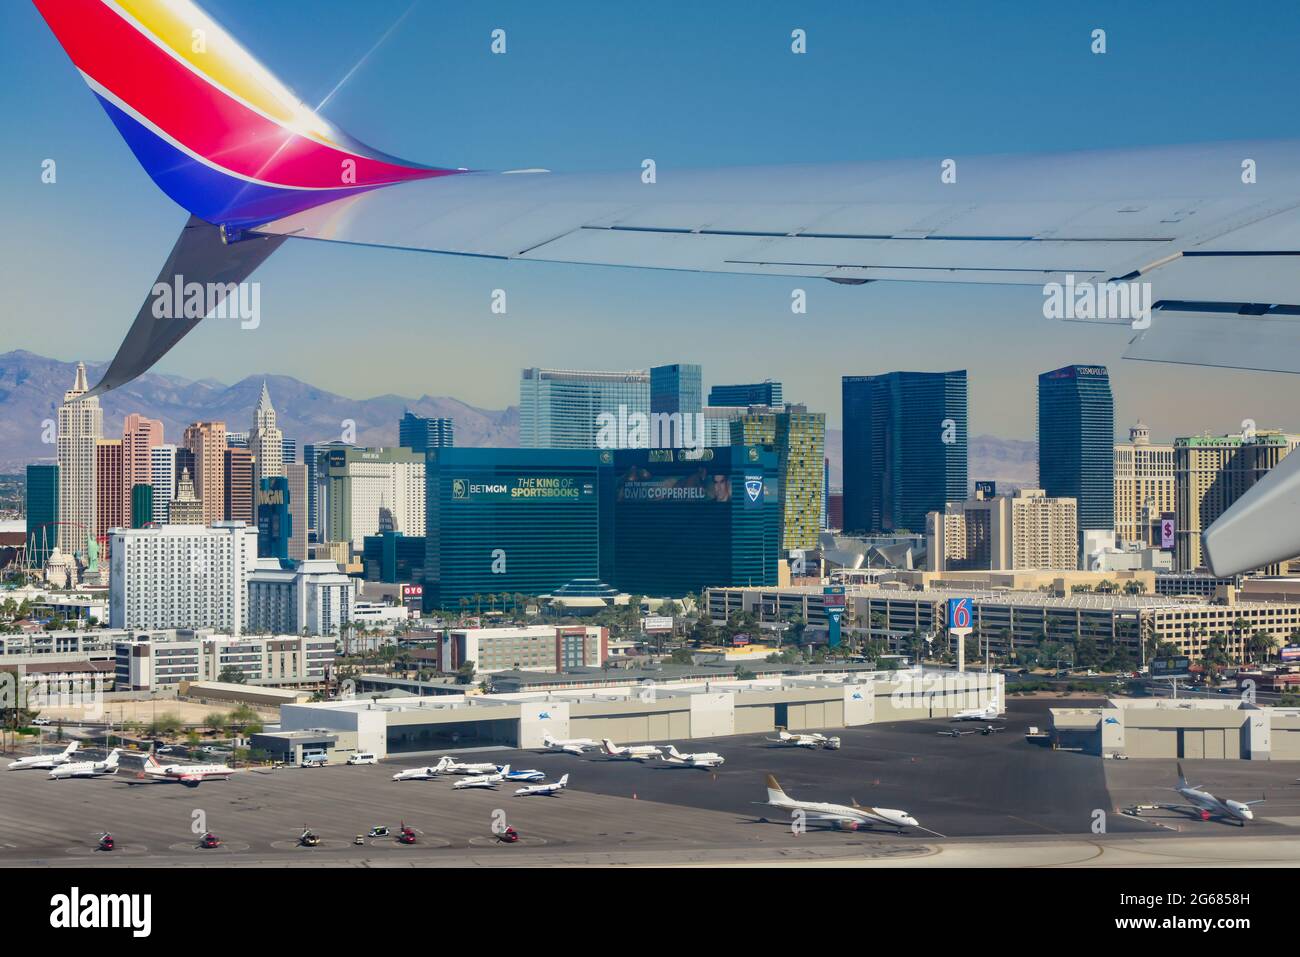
{"points": [[661, 522]]}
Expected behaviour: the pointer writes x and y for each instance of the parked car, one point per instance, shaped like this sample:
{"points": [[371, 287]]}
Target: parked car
{"points": [[363, 757]]}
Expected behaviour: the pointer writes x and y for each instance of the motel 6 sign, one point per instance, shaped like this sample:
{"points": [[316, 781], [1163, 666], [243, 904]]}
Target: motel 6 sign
{"points": [[960, 614]]}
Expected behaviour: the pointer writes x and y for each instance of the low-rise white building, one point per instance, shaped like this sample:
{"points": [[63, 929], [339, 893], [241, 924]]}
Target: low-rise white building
{"points": [[311, 596], [277, 660]]}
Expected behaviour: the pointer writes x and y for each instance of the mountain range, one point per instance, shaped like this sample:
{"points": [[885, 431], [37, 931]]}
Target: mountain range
{"points": [[32, 386]]}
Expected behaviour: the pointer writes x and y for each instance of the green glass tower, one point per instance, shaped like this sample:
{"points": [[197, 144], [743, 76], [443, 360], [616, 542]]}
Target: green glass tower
{"points": [[42, 512], [141, 504]]}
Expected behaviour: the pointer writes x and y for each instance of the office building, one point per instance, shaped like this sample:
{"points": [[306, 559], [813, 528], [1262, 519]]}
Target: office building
{"points": [[1144, 486], [766, 393], [163, 662], [140, 436], [162, 476], [311, 457], [274, 523], [1076, 442], [676, 388], [42, 511], [182, 576], [561, 408], [717, 423], [799, 439], [238, 482], [141, 505], [265, 442], [206, 441], [393, 558], [1212, 472], [295, 474], [905, 448], [1023, 530], [363, 484], [682, 521], [311, 596], [80, 425], [185, 508], [521, 521], [544, 648], [420, 433], [109, 495]]}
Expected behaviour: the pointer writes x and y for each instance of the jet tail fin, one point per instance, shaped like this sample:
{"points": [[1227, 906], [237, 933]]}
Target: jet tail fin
{"points": [[774, 792], [1182, 778], [564, 781], [201, 265]]}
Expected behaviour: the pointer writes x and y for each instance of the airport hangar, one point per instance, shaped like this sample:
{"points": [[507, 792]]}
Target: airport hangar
{"points": [[1169, 728], [634, 713]]}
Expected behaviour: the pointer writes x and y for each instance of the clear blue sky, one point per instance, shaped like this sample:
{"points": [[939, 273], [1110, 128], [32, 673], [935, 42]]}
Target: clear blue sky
{"points": [[597, 85]]}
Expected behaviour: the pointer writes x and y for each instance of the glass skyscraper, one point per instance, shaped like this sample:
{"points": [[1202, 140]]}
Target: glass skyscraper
{"points": [[420, 433], [1076, 442], [42, 512], [756, 393], [905, 451], [523, 521], [799, 439], [560, 409], [676, 388]]}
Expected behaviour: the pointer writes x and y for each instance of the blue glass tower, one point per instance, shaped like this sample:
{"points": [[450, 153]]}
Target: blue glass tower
{"points": [[1076, 441], [905, 448]]}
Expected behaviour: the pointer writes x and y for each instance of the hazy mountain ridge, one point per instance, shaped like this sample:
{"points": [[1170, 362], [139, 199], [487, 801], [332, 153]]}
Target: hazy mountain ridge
{"points": [[32, 386]]}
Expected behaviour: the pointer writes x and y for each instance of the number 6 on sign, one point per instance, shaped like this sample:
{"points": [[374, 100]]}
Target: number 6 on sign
{"points": [[959, 613]]}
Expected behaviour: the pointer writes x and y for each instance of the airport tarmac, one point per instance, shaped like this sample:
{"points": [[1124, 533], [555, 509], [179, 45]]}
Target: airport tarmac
{"points": [[984, 799]]}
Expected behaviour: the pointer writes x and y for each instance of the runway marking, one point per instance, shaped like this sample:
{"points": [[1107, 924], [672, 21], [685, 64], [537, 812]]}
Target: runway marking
{"points": [[1050, 830]]}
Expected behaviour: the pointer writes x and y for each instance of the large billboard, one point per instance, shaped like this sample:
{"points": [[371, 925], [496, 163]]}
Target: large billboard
{"points": [[522, 488], [1167, 528], [701, 485]]}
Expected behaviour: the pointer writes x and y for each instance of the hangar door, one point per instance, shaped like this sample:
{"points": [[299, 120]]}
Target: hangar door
{"points": [[1212, 743], [1151, 742]]}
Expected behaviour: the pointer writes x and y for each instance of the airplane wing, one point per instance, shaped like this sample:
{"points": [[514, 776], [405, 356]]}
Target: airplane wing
{"points": [[1215, 250]]}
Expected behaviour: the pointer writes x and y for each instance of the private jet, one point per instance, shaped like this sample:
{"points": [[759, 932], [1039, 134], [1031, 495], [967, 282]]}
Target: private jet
{"points": [[1206, 806], [484, 780], [848, 817], [701, 759], [452, 766], [87, 769], [45, 761], [952, 733], [423, 774], [525, 775], [990, 712], [547, 789], [813, 740], [631, 752], [569, 745], [191, 775]]}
